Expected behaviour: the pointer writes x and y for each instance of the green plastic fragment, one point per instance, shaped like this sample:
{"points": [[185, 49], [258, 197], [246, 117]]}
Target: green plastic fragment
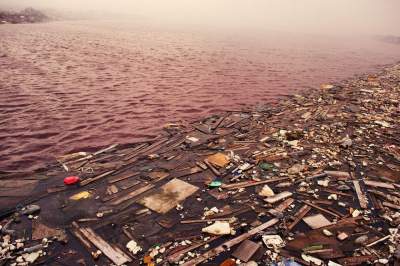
{"points": [[313, 247], [215, 184], [266, 166]]}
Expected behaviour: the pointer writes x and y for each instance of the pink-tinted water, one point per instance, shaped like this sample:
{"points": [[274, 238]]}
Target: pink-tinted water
{"points": [[70, 86]]}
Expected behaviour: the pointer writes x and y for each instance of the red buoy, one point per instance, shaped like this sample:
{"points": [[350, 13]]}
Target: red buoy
{"points": [[70, 180]]}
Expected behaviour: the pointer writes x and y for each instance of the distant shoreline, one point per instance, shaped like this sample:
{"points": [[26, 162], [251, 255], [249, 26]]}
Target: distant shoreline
{"points": [[27, 15]]}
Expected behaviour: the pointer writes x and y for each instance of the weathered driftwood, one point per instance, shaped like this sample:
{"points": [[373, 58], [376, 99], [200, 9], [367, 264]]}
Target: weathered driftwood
{"points": [[362, 198], [96, 178], [252, 183], [227, 245], [131, 194], [298, 216], [116, 255]]}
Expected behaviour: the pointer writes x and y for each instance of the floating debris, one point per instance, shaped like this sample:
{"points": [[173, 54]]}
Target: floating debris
{"points": [[312, 179]]}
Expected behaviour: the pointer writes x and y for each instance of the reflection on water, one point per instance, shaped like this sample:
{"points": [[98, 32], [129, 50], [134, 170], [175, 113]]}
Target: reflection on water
{"points": [[68, 86]]}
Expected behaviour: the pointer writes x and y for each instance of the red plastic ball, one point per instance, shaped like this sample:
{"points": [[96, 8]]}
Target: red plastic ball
{"points": [[70, 180]]}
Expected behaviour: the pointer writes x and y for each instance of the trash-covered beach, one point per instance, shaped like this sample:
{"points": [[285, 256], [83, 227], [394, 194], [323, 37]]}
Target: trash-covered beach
{"points": [[312, 180]]}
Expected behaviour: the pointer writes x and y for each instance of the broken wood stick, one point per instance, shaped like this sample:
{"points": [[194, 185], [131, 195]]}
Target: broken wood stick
{"points": [[75, 231], [278, 210], [93, 179], [278, 197], [212, 168], [372, 183], [204, 221], [217, 123], [116, 255], [378, 241], [175, 257], [105, 149], [299, 215], [132, 194], [338, 174], [252, 183], [230, 243], [391, 205], [320, 209], [362, 198], [336, 192], [116, 179], [149, 149]]}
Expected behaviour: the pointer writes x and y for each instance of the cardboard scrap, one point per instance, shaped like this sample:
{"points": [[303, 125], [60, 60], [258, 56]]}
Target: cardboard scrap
{"points": [[246, 250], [219, 159], [316, 221], [168, 196], [278, 197], [40, 231]]}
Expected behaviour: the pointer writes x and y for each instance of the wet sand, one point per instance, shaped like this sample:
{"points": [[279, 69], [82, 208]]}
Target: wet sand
{"points": [[69, 86]]}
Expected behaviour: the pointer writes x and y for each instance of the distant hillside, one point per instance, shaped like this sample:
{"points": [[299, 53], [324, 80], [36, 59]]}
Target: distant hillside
{"points": [[28, 15], [389, 38]]}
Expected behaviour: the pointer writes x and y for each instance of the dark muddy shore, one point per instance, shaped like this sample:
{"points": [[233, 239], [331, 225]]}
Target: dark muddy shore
{"points": [[314, 178]]}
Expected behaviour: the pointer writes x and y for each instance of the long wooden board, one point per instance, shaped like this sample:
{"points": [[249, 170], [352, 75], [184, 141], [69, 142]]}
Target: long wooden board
{"points": [[116, 255], [131, 195], [227, 245], [362, 198]]}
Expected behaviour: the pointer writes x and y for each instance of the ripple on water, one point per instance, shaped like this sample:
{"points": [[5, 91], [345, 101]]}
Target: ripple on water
{"points": [[71, 86]]}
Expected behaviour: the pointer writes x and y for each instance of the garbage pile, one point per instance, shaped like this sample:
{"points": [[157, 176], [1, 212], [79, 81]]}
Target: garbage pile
{"points": [[312, 180]]}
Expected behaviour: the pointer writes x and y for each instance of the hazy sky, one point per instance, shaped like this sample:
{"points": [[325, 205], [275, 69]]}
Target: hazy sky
{"points": [[328, 16]]}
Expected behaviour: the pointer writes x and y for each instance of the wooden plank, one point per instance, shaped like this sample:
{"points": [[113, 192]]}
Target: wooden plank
{"points": [[176, 256], [93, 179], [83, 240], [316, 221], [246, 250], [338, 174], [372, 183], [126, 184], [168, 196], [136, 149], [228, 244], [153, 147], [16, 183], [105, 149], [356, 260], [321, 209], [205, 220], [76, 231], [281, 207], [299, 215], [132, 194], [278, 197], [250, 183], [212, 168], [362, 198], [122, 192], [115, 179], [390, 205], [116, 255], [190, 171], [17, 188]]}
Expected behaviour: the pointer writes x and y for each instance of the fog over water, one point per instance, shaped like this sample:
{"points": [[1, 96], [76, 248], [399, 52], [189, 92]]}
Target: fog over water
{"points": [[122, 69], [305, 16]]}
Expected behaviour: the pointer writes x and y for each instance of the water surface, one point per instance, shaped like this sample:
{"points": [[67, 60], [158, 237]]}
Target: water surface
{"points": [[70, 86]]}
